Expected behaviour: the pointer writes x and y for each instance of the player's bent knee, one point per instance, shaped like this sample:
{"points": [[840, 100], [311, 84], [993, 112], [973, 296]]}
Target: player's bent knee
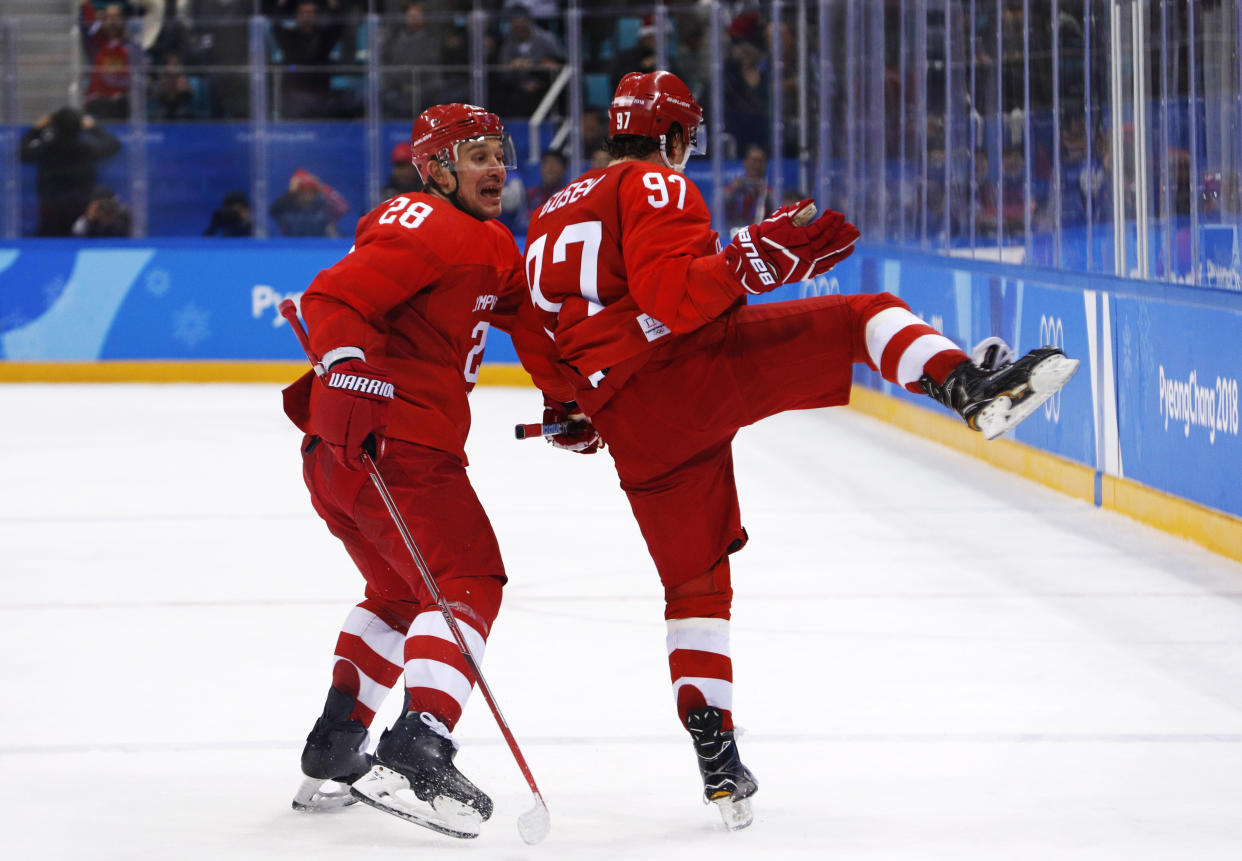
{"points": [[708, 595], [474, 599]]}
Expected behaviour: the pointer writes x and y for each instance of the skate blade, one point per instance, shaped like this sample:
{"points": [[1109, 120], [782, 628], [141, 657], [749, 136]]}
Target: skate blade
{"points": [[311, 796], [386, 790], [1046, 380], [736, 813]]}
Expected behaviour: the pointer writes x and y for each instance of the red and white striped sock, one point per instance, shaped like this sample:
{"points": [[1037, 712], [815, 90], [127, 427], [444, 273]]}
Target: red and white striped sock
{"points": [[904, 348], [368, 660], [437, 677], [700, 666]]}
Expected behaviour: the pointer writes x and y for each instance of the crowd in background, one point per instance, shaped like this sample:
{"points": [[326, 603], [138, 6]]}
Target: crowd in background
{"points": [[985, 163]]}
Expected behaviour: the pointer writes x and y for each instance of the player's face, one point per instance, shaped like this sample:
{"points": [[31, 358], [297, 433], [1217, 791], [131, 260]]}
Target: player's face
{"points": [[480, 177]]}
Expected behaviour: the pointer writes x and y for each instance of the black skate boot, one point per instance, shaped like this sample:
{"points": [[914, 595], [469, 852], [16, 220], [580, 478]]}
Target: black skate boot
{"points": [[417, 754], [993, 400], [726, 782], [335, 751]]}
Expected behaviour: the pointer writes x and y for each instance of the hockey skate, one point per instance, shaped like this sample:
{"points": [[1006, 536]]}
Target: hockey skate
{"points": [[726, 782], [333, 758], [414, 763], [993, 394]]}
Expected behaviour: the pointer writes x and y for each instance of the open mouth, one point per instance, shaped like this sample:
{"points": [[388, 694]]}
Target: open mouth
{"points": [[490, 192]]}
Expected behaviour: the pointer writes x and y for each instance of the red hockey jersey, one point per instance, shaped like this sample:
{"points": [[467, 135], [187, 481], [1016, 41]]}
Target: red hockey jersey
{"points": [[619, 260], [417, 293]]}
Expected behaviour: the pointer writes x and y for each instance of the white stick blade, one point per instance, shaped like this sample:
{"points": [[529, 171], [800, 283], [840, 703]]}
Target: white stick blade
{"points": [[535, 823]]}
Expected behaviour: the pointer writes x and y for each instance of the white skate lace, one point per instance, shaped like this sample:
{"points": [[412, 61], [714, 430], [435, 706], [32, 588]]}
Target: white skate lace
{"points": [[438, 727], [991, 354]]}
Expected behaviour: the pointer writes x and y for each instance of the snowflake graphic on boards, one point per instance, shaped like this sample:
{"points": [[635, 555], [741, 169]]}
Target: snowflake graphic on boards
{"points": [[158, 282], [191, 325]]}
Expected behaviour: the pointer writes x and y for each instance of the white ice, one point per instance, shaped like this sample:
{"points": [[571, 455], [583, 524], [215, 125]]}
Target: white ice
{"points": [[933, 659]]}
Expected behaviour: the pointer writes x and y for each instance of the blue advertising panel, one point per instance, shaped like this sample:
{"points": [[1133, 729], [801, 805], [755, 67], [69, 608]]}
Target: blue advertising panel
{"points": [[176, 300], [1178, 369], [1055, 316]]}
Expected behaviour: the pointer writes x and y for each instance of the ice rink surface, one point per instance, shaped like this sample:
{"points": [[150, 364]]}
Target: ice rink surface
{"points": [[933, 659]]}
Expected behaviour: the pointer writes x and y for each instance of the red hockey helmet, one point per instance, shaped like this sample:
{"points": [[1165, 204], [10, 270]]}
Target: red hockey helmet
{"points": [[440, 129], [647, 105]]}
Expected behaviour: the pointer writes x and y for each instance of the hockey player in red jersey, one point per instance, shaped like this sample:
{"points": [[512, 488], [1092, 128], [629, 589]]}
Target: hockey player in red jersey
{"points": [[400, 324], [658, 348]]}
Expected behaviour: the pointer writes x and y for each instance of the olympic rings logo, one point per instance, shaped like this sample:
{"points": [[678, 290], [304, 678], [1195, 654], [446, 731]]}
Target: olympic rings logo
{"points": [[1052, 333]]}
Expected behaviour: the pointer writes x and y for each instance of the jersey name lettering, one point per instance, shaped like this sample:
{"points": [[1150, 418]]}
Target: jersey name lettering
{"points": [[486, 303], [569, 194]]}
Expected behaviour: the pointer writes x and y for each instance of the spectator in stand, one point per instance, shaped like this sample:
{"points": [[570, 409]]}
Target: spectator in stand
{"points": [[307, 45], [746, 85], [65, 146], [411, 54], [747, 200], [639, 57], [594, 130], [224, 40], [172, 89], [308, 208], [600, 158], [530, 56], [111, 56], [551, 180], [175, 33], [403, 179], [232, 218], [105, 216]]}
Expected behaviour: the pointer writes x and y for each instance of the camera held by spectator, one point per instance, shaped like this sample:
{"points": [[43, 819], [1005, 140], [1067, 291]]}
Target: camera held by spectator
{"points": [[105, 215]]}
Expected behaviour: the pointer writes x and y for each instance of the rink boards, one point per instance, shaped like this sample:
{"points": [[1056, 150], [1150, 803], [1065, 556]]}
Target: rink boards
{"points": [[1149, 426]]}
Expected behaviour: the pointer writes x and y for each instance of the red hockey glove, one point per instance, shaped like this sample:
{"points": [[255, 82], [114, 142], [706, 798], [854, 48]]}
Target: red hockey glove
{"points": [[584, 440], [777, 251], [352, 412]]}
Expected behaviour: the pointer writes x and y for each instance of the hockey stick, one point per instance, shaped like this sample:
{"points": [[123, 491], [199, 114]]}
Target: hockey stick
{"points": [[534, 824], [535, 429]]}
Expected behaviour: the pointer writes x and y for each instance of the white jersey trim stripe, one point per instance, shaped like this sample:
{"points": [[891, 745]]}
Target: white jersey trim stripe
{"points": [[432, 624], [883, 326], [922, 348], [717, 692], [437, 675]]}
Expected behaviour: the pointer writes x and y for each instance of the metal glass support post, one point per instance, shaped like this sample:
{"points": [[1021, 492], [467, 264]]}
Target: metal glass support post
{"points": [[573, 30], [823, 102], [974, 130], [478, 54], [777, 145], [717, 126], [903, 185], [660, 19], [1086, 91], [1028, 243], [1117, 146], [1057, 182], [851, 111], [9, 167], [138, 167], [920, 78], [998, 162], [1167, 186], [877, 175], [1195, 184], [804, 152], [375, 160], [258, 124], [948, 123], [1140, 92]]}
